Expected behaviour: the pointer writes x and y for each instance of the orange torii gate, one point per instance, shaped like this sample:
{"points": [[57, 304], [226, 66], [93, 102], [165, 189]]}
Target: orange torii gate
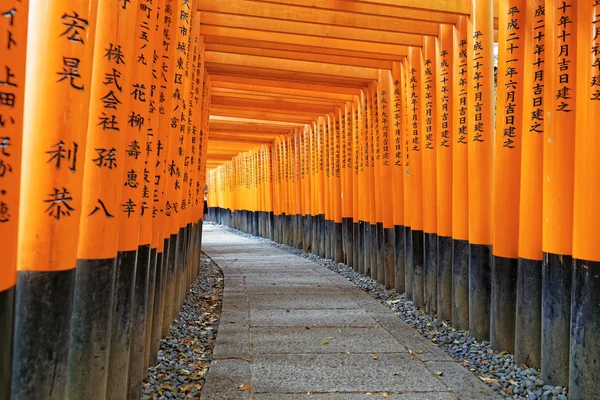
{"points": [[364, 132]]}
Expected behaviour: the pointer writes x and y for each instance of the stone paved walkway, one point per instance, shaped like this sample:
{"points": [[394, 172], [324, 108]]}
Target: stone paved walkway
{"points": [[291, 329]]}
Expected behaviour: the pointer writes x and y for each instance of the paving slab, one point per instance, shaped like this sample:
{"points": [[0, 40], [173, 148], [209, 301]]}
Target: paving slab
{"points": [[322, 340], [284, 373], [357, 396], [303, 318], [292, 329]]}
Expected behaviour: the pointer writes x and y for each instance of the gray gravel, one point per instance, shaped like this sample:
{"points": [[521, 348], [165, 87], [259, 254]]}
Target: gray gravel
{"points": [[185, 355], [497, 369]]}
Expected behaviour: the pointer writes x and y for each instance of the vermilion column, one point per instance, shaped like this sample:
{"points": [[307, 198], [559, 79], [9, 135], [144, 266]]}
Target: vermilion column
{"points": [[460, 178], [406, 143], [445, 133], [507, 171], [13, 29], [415, 170], [429, 146], [60, 47], [480, 138], [397, 156], [561, 59]]}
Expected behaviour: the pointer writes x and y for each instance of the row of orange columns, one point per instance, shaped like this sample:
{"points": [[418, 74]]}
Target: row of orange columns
{"points": [[478, 205]]}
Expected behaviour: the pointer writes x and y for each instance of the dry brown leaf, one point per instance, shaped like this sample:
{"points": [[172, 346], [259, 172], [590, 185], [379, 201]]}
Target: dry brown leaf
{"points": [[244, 388]]}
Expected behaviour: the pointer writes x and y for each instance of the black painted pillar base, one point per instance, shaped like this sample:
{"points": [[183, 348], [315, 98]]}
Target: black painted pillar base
{"points": [[444, 278], [408, 262], [380, 255], [556, 318], [43, 310], [347, 227], [528, 321], [158, 308], [299, 232], [389, 249], [327, 238], [138, 328], [150, 307], [367, 249], [122, 323], [179, 271], [584, 380], [315, 235], [430, 273], [271, 225], [308, 229], [374, 250], [360, 248], [7, 310], [418, 270], [355, 250], [169, 278], [338, 248], [90, 328], [322, 235], [503, 303], [480, 290], [399, 260], [460, 284]]}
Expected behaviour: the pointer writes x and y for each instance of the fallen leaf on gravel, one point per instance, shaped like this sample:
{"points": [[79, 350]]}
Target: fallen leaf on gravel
{"points": [[375, 357], [325, 341], [439, 373], [244, 388]]}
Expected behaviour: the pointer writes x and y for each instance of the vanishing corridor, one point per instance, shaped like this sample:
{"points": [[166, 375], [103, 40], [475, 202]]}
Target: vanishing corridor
{"points": [[292, 329]]}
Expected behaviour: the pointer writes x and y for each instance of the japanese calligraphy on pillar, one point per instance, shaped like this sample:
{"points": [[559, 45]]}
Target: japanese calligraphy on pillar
{"points": [[54, 128], [463, 92], [13, 44], [385, 128], [429, 87], [511, 70], [537, 100], [565, 93]]}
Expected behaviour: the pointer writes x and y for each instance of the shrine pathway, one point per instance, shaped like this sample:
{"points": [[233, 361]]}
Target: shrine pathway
{"points": [[291, 329]]}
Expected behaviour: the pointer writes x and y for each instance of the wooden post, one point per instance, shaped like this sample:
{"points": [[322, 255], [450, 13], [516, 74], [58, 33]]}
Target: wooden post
{"points": [[429, 145], [460, 178], [59, 71], [558, 165], [507, 173], [13, 26], [445, 60], [481, 128]]}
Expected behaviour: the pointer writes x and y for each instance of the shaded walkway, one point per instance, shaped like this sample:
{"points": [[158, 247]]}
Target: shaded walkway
{"points": [[290, 327]]}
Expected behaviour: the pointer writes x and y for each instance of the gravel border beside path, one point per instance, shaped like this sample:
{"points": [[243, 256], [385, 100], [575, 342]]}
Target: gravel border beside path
{"points": [[497, 370], [185, 355]]}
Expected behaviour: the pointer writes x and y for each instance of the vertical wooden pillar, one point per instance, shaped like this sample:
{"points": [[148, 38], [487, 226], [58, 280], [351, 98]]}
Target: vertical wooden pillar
{"points": [[152, 218], [60, 45], [415, 169], [377, 161], [445, 60], [356, 166], [337, 249], [429, 146], [361, 107], [386, 178], [585, 322], [460, 178], [397, 156], [13, 30], [348, 187], [558, 165], [481, 129], [406, 182], [507, 173], [371, 193]]}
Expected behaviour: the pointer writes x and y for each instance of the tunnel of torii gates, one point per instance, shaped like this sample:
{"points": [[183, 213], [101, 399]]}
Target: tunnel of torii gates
{"points": [[369, 132]]}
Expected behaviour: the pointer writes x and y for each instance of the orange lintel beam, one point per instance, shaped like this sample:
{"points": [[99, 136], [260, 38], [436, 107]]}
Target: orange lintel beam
{"points": [[280, 90], [242, 139], [326, 17], [290, 95], [301, 56], [217, 80], [317, 109], [260, 113], [290, 65], [285, 76], [248, 135], [372, 8], [296, 48], [314, 41], [310, 29]]}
